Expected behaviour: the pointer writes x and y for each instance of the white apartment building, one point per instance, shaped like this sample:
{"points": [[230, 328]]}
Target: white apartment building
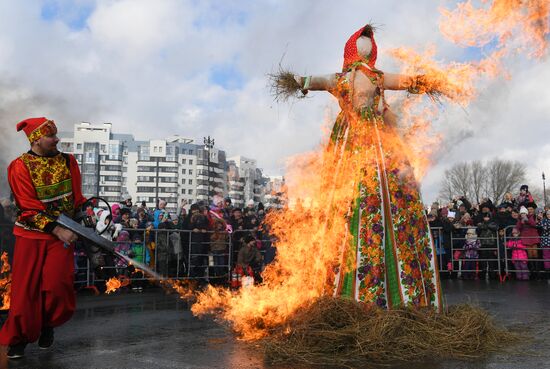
{"points": [[274, 192], [245, 180], [115, 166]]}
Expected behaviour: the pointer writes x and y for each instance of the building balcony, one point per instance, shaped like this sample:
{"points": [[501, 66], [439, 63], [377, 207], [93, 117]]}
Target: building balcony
{"points": [[111, 183], [168, 164], [146, 193], [111, 172], [109, 193]]}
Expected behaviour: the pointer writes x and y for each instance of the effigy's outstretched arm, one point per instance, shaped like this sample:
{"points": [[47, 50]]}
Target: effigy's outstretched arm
{"points": [[399, 82], [419, 84], [316, 83], [286, 85]]}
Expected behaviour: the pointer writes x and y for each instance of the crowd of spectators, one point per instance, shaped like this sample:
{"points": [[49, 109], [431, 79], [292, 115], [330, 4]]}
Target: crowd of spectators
{"points": [[486, 239], [199, 241], [207, 242]]}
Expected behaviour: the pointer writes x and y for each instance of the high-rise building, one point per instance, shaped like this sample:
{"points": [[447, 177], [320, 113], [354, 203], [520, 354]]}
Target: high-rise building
{"points": [[245, 180], [274, 194], [116, 166]]}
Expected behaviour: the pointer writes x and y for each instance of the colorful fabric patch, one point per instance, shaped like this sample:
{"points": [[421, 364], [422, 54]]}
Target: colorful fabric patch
{"points": [[390, 226], [46, 129]]}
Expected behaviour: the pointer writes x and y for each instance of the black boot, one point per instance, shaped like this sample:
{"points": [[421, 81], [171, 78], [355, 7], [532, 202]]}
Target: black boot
{"points": [[46, 338], [17, 351]]}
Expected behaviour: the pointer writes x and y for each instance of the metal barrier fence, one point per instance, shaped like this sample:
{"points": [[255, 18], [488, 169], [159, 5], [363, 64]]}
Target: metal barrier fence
{"points": [[496, 260], [172, 253], [180, 254], [452, 258], [210, 256], [523, 265]]}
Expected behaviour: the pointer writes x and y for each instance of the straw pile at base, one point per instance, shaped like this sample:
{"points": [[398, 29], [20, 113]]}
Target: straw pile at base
{"points": [[342, 332]]}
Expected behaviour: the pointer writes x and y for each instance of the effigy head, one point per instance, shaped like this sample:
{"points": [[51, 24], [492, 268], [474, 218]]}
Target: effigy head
{"points": [[360, 47]]}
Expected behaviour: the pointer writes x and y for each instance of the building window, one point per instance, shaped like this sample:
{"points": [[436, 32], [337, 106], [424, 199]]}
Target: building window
{"points": [[78, 146], [183, 161], [183, 191], [155, 148], [190, 161], [190, 152], [184, 151], [160, 148], [190, 181], [190, 171], [183, 181], [183, 171], [190, 192]]}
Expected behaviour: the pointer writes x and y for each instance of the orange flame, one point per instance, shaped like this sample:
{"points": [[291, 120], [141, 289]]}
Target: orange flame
{"points": [[5, 282], [115, 283], [322, 185], [518, 27], [521, 25], [186, 288]]}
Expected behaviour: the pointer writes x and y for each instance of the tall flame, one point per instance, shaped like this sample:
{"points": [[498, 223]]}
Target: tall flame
{"points": [[323, 184], [506, 27], [310, 236], [520, 25]]}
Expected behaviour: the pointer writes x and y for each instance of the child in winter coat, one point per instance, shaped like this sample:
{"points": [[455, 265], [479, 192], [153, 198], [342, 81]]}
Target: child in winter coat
{"points": [[487, 229], [470, 254], [123, 247], [519, 255], [138, 250]]}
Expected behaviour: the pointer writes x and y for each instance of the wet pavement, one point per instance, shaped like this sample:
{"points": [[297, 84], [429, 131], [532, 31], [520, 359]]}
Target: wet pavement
{"points": [[155, 330]]}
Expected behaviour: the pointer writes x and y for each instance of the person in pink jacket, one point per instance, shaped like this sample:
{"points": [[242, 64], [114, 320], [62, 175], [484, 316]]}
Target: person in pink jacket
{"points": [[519, 256], [527, 226]]}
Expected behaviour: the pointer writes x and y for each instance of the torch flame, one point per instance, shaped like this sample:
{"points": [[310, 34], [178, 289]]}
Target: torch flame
{"points": [[115, 283], [5, 282], [185, 288]]}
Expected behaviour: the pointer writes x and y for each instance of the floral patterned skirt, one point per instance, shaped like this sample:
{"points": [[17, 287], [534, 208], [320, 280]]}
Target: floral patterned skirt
{"points": [[390, 259]]}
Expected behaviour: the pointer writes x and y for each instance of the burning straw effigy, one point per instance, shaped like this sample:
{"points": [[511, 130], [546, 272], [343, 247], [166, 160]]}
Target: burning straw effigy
{"points": [[340, 332], [358, 228]]}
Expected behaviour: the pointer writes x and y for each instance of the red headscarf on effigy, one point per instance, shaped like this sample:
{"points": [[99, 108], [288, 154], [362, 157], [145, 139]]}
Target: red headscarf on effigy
{"points": [[350, 51]]}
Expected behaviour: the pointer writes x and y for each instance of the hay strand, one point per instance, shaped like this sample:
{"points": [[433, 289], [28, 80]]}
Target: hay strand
{"points": [[341, 332]]}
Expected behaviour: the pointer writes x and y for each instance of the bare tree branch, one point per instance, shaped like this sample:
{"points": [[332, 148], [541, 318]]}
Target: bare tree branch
{"points": [[477, 180]]}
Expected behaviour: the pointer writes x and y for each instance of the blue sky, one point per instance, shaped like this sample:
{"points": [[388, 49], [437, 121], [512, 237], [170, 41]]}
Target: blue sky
{"points": [[73, 14], [227, 76]]}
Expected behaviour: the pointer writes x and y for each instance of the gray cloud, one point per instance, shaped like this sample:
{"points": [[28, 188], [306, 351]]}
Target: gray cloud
{"points": [[146, 67]]}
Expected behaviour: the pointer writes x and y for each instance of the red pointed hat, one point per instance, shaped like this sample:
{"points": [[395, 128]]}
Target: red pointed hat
{"points": [[350, 51], [37, 127]]}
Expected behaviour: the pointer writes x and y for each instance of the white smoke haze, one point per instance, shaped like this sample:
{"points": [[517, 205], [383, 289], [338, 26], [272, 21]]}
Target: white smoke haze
{"points": [[196, 68]]}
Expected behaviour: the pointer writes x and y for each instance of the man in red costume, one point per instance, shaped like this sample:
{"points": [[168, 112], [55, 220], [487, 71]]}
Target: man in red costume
{"points": [[45, 183]]}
